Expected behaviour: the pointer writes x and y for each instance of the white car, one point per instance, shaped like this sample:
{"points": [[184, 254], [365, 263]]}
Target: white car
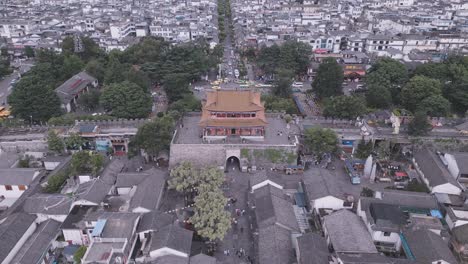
{"points": [[198, 88]]}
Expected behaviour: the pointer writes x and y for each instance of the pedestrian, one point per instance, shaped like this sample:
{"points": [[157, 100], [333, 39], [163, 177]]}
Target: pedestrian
{"points": [[225, 252], [242, 212], [228, 252], [242, 229]]}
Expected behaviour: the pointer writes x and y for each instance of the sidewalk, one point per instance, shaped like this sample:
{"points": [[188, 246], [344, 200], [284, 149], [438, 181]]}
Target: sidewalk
{"points": [[240, 235]]}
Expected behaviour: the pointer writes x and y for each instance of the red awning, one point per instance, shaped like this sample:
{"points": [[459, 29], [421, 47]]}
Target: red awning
{"points": [[401, 174]]}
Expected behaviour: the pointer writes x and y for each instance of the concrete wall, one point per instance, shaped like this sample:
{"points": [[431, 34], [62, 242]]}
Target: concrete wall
{"points": [[14, 193], [14, 146], [214, 154]]}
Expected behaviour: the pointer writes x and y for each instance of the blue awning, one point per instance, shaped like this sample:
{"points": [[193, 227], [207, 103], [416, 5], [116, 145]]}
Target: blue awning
{"points": [[97, 231], [436, 213]]}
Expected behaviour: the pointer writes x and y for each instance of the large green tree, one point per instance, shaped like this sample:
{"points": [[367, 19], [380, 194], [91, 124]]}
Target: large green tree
{"points": [[435, 105], [387, 74], [279, 104], [347, 107], [320, 140], [71, 65], [329, 79], [282, 87], [419, 126], [183, 178], [378, 96], [96, 68], [364, 149], [418, 89], [155, 136], [188, 103], [126, 100], [54, 142], [34, 99], [211, 220], [90, 100], [176, 86], [85, 162]]}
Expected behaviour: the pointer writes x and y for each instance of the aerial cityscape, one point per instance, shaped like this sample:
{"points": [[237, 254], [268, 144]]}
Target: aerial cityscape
{"points": [[234, 132]]}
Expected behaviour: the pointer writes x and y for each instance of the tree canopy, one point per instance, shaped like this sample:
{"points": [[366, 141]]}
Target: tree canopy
{"points": [[54, 142], [282, 87], [320, 140], [126, 100], [386, 74], [419, 126], [418, 89], [291, 55], [34, 98], [155, 136], [211, 220], [279, 104], [346, 107], [329, 79], [86, 162]]}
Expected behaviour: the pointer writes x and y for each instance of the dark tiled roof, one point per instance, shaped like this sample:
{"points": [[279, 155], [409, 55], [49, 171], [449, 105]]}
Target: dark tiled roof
{"points": [[274, 245], [460, 233], [462, 162], [428, 247], [17, 176], [387, 213], [433, 168], [313, 249], [272, 208], [173, 237], [350, 236], [154, 221], [12, 230], [73, 86], [202, 259], [170, 259], [319, 183], [265, 175], [35, 247], [49, 204], [149, 191]]}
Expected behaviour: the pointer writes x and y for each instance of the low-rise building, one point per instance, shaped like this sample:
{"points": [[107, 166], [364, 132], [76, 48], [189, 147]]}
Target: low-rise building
{"points": [[434, 174], [347, 237], [73, 88]]}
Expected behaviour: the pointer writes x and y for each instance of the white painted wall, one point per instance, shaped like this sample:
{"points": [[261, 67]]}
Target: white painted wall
{"points": [[44, 217], [447, 188], [72, 235], [166, 251], [140, 210], [20, 243], [394, 238], [124, 190], [328, 202], [14, 193], [452, 165], [51, 165], [264, 183]]}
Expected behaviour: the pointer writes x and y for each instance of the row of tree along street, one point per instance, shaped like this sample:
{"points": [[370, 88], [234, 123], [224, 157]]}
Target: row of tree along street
{"points": [[126, 77], [433, 89]]}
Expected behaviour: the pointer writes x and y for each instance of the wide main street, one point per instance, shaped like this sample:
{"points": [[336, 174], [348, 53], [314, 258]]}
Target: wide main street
{"points": [[6, 86]]}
